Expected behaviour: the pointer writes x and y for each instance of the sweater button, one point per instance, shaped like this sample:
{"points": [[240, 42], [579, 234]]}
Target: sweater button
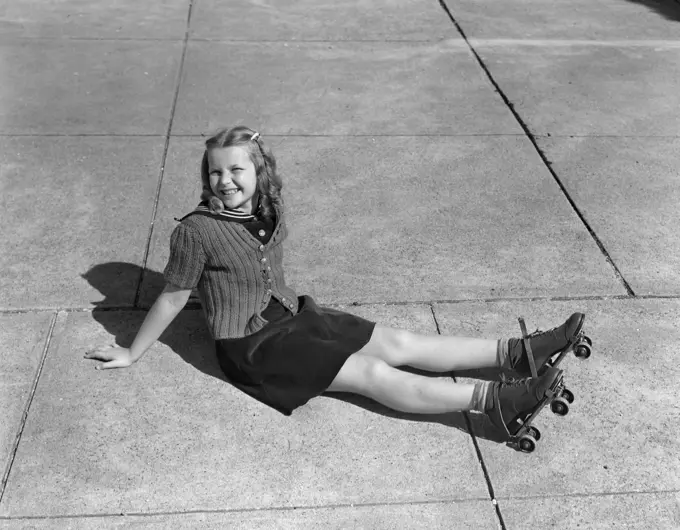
{"points": [[264, 260], [261, 233], [261, 247]]}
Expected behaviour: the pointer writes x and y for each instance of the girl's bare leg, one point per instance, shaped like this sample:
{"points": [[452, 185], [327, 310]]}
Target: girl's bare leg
{"points": [[434, 353], [374, 378]]}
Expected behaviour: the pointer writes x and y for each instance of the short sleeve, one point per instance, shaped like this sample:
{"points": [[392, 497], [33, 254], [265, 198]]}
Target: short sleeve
{"points": [[187, 258]]}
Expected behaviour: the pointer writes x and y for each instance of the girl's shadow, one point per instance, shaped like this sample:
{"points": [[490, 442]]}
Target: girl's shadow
{"points": [[189, 338], [669, 9]]}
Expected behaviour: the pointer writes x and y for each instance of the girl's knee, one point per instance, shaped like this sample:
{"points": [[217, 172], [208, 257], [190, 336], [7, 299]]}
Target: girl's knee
{"points": [[360, 374], [392, 345]]}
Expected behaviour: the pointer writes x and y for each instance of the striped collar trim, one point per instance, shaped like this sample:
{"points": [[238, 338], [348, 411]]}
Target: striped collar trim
{"points": [[231, 214]]}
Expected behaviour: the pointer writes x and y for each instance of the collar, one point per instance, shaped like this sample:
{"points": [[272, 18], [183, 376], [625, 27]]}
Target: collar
{"points": [[230, 214]]}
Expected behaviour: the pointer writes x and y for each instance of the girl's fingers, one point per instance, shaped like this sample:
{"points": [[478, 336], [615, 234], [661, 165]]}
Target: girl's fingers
{"points": [[106, 366], [99, 353], [96, 354], [112, 364], [112, 356]]}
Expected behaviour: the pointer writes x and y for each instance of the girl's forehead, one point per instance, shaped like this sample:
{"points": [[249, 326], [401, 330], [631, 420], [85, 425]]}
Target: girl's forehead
{"points": [[228, 156]]}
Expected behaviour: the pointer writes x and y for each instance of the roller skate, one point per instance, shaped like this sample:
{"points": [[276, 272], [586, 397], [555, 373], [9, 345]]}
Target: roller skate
{"points": [[534, 353], [514, 406]]}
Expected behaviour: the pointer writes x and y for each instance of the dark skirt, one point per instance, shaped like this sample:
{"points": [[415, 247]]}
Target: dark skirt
{"points": [[295, 357]]}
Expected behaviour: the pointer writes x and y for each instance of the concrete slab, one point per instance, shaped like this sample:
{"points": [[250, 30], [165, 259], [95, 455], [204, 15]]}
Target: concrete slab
{"points": [[572, 20], [168, 435], [355, 20], [438, 516], [413, 219], [72, 203], [581, 89], [339, 88], [627, 189], [22, 337], [623, 511], [619, 435], [78, 19], [87, 87]]}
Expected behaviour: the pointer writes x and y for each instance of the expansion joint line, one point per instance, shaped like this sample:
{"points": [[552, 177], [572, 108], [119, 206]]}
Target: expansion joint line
{"points": [[29, 402], [161, 172], [434, 318], [545, 160], [478, 451], [485, 471]]}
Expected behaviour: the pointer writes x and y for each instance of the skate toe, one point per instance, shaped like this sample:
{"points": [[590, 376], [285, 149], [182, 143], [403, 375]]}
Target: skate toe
{"points": [[546, 382], [573, 326]]}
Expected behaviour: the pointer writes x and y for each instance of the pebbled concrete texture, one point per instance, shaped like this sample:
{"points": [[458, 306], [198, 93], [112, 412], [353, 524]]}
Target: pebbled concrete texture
{"points": [[627, 511], [581, 89], [429, 223], [351, 20], [85, 87], [82, 19], [437, 515], [23, 338], [632, 175], [345, 88], [609, 20], [416, 198], [73, 204]]}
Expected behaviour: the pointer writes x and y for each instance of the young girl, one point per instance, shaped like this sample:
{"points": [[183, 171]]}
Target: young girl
{"points": [[283, 349]]}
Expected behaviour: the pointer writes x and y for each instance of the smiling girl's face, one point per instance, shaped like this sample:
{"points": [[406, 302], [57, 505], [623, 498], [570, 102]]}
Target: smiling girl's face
{"points": [[233, 178]]}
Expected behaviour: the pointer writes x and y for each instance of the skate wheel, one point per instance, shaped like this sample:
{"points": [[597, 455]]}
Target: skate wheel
{"points": [[534, 433], [560, 406], [587, 340], [527, 444], [582, 351], [568, 395]]}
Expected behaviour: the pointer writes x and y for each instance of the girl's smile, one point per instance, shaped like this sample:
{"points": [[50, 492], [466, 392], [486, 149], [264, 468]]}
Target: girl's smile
{"points": [[233, 178]]}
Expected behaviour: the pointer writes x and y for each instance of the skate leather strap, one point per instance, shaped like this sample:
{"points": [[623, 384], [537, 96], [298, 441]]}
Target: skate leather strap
{"points": [[530, 354]]}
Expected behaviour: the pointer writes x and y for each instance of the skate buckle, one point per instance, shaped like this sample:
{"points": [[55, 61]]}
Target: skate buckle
{"points": [[530, 354]]}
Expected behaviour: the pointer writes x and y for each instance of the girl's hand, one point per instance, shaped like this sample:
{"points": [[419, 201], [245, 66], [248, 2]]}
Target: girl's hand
{"points": [[115, 357]]}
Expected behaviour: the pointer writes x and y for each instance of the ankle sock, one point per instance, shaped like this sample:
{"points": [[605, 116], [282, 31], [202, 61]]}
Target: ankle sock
{"points": [[481, 397], [511, 354], [516, 352], [502, 353]]}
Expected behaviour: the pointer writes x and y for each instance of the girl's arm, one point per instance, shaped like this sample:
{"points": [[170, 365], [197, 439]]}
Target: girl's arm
{"points": [[162, 313]]}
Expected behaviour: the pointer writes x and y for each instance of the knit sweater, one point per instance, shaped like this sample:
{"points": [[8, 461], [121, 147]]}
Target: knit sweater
{"points": [[236, 274]]}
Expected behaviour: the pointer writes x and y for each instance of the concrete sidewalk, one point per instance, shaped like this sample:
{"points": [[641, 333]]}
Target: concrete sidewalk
{"points": [[447, 168]]}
